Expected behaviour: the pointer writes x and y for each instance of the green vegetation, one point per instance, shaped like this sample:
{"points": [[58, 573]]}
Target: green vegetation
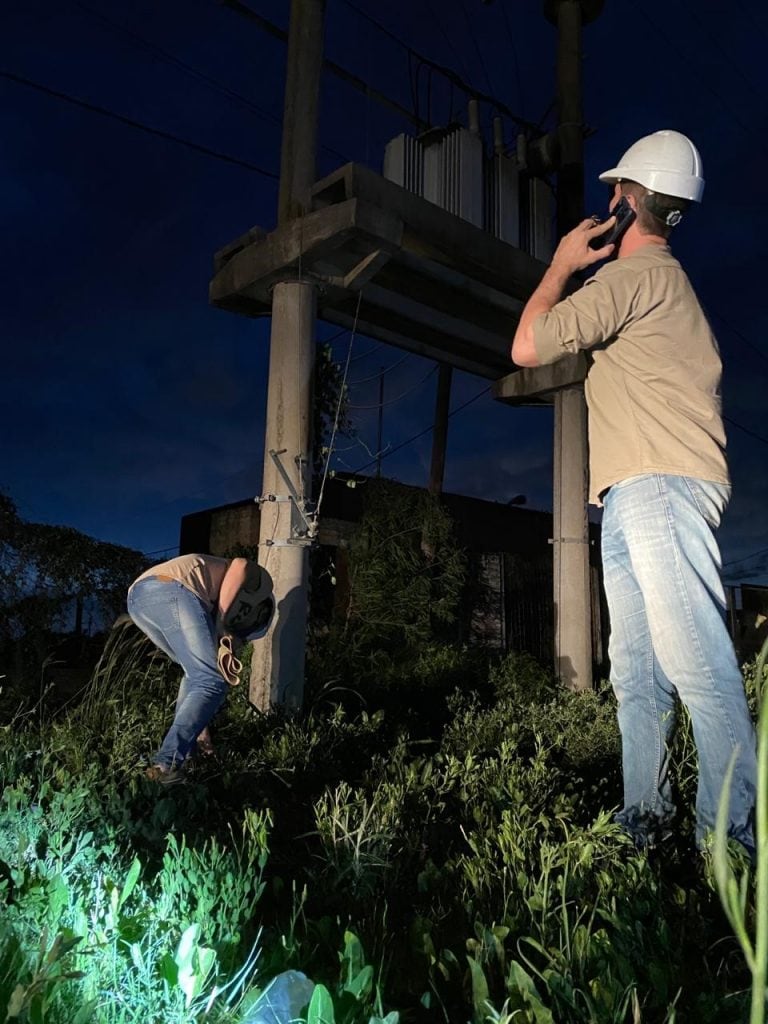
{"points": [[430, 840]]}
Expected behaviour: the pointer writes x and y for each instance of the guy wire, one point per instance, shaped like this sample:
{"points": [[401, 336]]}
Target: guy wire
{"points": [[342, 389]]}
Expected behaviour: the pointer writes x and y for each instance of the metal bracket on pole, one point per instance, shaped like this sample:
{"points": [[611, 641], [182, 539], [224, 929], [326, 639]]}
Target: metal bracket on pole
{"points": [[304, 524]]}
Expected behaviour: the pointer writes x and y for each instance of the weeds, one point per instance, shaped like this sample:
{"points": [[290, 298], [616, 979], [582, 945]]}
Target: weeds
{"points": [[466, 842], [735, 892]]}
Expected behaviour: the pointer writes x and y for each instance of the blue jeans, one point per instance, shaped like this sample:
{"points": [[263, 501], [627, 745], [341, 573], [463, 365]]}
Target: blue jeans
{"points": [[177, 622], [669, 640]]}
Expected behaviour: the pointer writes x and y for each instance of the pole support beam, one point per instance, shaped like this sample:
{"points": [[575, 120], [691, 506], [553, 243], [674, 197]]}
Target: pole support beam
{"points": [[572, 596]]}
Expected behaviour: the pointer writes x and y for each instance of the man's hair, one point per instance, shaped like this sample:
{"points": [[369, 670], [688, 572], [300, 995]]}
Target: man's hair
{"points": [[649, 223]]}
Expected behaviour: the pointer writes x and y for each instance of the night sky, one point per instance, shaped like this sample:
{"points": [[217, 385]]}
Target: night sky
{"points": [[128, 401]]}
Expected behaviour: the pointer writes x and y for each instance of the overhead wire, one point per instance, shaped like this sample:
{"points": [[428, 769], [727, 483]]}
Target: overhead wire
{"points": [[476, 45], [659, 33], [735, 65], [171, 58], [437, 20], [369, 353], [139, 125], [360, 355], [400, 397], [202, 76], [448, 73], [746, 430], [746, 11], [377, 376], [336, 69], [746, 558], [413, 78], [515, 56], [421, 433], [729, 326], [333, 337]]}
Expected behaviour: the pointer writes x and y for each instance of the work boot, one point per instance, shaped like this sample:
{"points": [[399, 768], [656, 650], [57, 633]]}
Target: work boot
{"points": [[166, 776]]}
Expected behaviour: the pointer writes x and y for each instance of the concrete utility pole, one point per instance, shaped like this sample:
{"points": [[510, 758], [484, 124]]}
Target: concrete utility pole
{"points": [[277, 668], [440, 432], [573, 611]]}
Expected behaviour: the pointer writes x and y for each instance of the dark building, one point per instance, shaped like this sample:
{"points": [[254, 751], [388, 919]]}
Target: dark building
{"points": [[509, 592]]}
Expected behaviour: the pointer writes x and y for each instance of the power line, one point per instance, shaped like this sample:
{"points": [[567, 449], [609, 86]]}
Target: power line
{"points": [[510, 35], [737, 67], [739, 335], [369, 353], [746, 558], [476, 46], [659, 33], [377, 376], [382, 28], [357, 83], [426, 430], [333, 337], [362, 355], [209, 80], [757, 437], [170, 58], [448, 73], [457, 56], [120, 118], [392, 401], [745, 10]]}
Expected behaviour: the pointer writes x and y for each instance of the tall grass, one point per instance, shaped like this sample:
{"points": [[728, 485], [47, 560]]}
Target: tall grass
{"points": [[735, 892], [462, 836]]}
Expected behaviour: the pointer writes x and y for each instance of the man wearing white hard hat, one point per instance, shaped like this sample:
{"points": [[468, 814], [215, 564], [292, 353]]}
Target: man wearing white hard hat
{"points": [[658, 467], [198, 610]]}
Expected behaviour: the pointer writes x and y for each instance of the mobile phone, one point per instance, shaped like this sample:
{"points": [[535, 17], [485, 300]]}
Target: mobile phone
{"points": [[624, 215]]}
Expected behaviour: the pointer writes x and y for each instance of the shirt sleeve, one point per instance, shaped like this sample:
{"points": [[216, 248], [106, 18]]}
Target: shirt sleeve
{"points": [[593, 315]]}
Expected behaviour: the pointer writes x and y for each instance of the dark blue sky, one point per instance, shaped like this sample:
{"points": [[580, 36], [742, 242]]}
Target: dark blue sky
{"points": [[128, 402]]}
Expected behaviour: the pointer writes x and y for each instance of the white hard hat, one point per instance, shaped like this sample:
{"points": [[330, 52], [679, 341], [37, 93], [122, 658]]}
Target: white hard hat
{"points": [[666, 162]]}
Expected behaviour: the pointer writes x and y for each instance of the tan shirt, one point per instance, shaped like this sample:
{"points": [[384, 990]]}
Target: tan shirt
{"points": [[202, 574], [653, 386]]}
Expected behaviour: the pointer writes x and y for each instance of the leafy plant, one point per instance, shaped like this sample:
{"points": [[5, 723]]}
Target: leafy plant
{"points": [[37, 984], [406, 572], [215, 887], [734, 892]]}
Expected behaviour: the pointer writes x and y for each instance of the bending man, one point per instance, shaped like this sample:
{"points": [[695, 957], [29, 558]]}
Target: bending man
{"points": [[195, 608]]}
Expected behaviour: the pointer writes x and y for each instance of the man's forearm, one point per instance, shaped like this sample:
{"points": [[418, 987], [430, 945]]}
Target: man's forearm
{"points": [[547, 294], [233, 580], [572, 254]]}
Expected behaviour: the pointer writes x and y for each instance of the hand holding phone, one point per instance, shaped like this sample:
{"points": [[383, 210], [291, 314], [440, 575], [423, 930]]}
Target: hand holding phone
{"points": [[624, 215]]}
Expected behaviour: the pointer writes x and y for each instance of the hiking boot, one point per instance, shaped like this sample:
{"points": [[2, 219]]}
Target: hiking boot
{"points": [[165, 776]]}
